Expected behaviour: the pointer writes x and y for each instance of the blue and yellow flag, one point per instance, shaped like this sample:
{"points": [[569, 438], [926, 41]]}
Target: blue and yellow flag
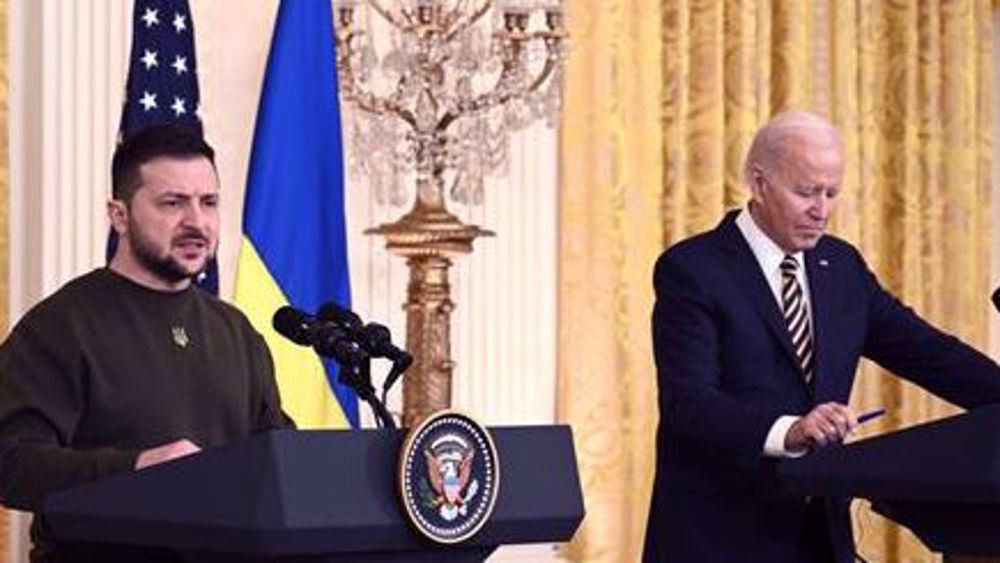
{"points": [[294, 249]]}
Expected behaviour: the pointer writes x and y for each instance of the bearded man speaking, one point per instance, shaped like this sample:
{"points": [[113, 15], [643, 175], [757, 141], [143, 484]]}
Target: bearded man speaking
{"points": [[131, 365]]}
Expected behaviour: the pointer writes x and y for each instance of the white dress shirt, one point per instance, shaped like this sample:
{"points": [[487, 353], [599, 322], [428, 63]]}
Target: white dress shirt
{"points": [[769, 256]]}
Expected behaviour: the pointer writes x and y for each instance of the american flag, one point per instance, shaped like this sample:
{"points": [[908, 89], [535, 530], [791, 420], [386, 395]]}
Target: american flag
{"points": [[162, 84]]}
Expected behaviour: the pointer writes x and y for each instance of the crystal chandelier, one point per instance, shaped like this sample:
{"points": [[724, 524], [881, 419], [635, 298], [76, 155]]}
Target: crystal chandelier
{"points": [[434, 90]]}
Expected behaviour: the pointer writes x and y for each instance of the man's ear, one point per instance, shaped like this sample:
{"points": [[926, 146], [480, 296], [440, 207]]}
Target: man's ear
{"points": [[118, 215], [758, 183]]}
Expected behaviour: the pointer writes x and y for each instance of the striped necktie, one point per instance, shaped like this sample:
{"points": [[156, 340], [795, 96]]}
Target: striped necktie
{"points": [[793, 305]]}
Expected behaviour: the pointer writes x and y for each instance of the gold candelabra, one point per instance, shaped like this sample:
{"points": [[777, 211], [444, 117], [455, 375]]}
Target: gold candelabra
{"points": [[457, 77]]}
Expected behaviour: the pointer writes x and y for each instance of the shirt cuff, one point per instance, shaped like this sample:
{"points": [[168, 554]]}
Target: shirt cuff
{"points": [[774, 444]]}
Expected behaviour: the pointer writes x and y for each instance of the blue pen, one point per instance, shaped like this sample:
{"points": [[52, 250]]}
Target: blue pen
{"points": [[865, 417]]}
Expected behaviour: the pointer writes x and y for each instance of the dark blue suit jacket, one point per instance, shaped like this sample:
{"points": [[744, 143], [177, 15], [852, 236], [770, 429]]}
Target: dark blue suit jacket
{"points": [[727, 371]]}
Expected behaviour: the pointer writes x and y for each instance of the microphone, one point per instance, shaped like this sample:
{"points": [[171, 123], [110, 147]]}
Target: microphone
{"points": [[340, 316], [378, 341], [295, 325], [996, 299], [373, 337], [327, 339]]}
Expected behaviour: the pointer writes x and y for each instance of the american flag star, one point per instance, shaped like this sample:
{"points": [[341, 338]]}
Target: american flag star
{"points": [[151, 17], [180, 64], [180, 22], [178, 106], [148, 101], [149, 59]]}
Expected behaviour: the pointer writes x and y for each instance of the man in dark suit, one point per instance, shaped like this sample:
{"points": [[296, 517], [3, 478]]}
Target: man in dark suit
{"points": [[757, 330]]}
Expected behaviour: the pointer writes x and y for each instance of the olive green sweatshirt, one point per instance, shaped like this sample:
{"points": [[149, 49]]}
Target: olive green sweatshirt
{"points": [[105, 368]]}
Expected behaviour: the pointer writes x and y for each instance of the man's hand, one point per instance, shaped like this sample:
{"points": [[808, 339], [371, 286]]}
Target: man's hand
{"points": [[166, 452], [826, 423]]}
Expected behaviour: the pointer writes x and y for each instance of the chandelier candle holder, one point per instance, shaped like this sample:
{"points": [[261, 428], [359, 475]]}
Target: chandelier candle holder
{"points": [[435, 112]]}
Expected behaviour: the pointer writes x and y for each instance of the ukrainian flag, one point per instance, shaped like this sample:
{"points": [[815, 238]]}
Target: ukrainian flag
{"points": [[294, 247]]}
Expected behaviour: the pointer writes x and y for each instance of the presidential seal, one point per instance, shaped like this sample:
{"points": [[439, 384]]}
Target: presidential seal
{"points": [[448, 477]]}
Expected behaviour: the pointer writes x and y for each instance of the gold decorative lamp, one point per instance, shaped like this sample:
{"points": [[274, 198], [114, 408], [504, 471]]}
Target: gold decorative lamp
{"points": [[435, 111]]}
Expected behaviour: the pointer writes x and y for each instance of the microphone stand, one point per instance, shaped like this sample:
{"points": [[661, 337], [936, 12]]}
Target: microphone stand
{"points": [[359, 378], [398, 367]]}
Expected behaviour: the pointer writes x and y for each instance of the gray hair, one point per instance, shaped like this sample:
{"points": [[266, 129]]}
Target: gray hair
{"points": [[771, 140]]}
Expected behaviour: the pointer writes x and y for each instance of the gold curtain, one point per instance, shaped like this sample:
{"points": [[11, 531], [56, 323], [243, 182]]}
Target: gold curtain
{"points": [[662, 99], [4, 211], [611, 177]]}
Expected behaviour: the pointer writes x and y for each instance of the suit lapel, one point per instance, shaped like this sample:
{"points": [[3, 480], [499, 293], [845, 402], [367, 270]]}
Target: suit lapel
{"points": [[821, 297], [746, 270]]}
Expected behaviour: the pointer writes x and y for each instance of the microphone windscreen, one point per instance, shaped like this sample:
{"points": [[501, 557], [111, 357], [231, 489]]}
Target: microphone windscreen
{"points": [[343, 317], [377, 334], [293, 324]]}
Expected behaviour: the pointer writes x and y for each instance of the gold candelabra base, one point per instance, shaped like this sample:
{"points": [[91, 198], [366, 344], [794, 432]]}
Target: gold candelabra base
{"points": [[429, 239]]}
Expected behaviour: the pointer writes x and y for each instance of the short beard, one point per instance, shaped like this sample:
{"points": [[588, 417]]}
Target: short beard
{"points": [[164, 267]]}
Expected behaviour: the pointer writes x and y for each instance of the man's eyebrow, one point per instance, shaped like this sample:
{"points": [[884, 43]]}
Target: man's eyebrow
{"points": [[184, 194], [173, 195], [817, 186]]}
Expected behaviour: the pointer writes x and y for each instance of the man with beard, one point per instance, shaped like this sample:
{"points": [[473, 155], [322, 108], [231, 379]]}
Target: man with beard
{"points": [[131, 365]]}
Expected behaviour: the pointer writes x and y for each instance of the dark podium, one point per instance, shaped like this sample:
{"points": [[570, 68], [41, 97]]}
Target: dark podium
{"points": [[317, 496], [941, 479]]}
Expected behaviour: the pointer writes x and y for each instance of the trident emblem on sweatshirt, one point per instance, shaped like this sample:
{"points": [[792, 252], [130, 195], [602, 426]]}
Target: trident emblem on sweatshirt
{"points": [[180, 336]]}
